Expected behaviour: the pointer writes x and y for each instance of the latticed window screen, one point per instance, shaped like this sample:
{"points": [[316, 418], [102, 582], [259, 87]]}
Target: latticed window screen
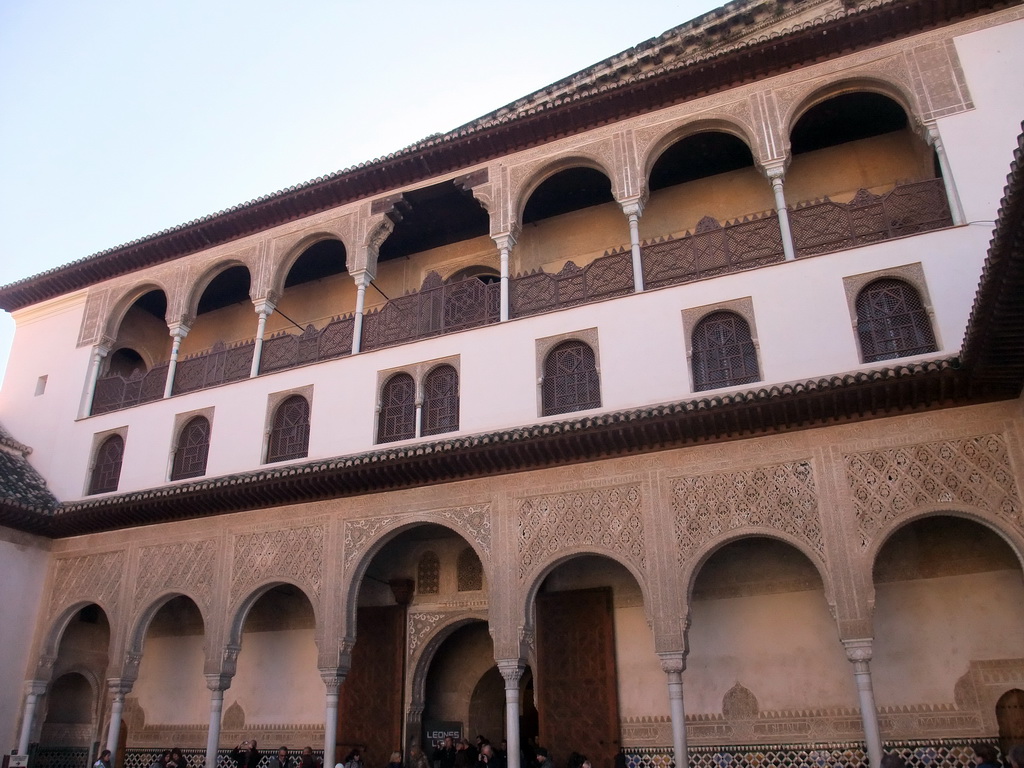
{"points": [[106, 471], [441, 401], [397, 409], [892, 321], [289, 432], [193, 449], [571, 382], [428, 576], [469, 571], [723, 352]]}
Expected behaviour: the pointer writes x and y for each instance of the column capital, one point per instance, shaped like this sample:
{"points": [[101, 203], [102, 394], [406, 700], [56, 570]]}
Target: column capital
{"points": [[35, 687], [673, 662], [633, 206], [103, 346], [218, 682], [512, 670], [333, 678], [507, 240], [931, 133], [858, 650], [119, 687], [775, 170], [180, 329], [362, 277], [266, 305]]}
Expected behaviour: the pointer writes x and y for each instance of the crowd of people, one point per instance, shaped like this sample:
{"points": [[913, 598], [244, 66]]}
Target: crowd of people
{"points": [[462, 753]]}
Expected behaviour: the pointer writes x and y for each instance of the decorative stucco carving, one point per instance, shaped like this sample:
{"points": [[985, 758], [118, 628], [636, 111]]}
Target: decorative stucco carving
{"points": [[92, 318], [188, 565], [739, 703], [359, 532], [782, 497], [603, 518], [974, 472], [421, 625], [474, 521], [293, 553], [96, 578]]}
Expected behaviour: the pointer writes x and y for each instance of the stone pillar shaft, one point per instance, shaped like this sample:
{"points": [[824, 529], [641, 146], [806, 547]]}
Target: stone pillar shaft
{"points": [[859, 654], [935, 139], [33, 691], [776, 174], [673, 664], [178, 332], [362, 279], [118, 689], [633, 210], [263, 310], [505, 244], [512, 671], [98, 353]]}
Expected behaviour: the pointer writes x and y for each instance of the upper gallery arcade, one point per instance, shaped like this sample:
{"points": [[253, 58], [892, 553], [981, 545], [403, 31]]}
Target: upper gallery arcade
{"points": [[674, 372]]}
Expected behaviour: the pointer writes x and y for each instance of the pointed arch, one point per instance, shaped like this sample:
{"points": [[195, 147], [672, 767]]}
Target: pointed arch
{"points": [[680, 131], [239, 609], [139, 626], [126, 300], [294, 252], [215, 270], [522, 193], [59, 624]]}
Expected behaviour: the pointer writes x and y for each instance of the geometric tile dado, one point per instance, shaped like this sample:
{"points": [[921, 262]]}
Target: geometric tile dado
{"points": [[973, 472], [608, 518], [782, 497]]}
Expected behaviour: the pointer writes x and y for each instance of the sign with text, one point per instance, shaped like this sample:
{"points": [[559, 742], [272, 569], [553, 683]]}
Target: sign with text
{"points": [[435, 732]]}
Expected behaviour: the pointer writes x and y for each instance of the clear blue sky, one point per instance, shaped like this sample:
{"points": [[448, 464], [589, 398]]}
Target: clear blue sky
{"points": [[122, 118]]}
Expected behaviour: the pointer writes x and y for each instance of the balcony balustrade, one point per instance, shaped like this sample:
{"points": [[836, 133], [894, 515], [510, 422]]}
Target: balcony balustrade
{"points": [[712, 249], [436, 308], [289, 350], [218, 365]]}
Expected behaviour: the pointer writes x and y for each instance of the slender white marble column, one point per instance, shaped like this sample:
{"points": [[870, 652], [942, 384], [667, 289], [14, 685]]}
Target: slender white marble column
{"points": [[217, 685], [512, 671], [362, 278], [98, 353], [118, 689], [33, 690], [332, 682], [506, 242], [776, 173], [859, 654], [673, 664], [634, 210], [178, 332], [264, 308], [935, 139]]}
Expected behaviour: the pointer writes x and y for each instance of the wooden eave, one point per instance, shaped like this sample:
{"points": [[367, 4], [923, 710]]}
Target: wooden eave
{"points": [[475, 143]]}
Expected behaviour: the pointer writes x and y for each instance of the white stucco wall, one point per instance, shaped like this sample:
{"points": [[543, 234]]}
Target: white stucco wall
{"points": [[277, 680], [23, 562], [171, 687]]}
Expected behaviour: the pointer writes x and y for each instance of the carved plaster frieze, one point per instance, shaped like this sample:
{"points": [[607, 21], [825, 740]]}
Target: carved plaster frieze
{"points": [[96, 578], [421, 625], [890, 483], [292, 553], [187, 566], [782, 497], [609, 519], [358, 533]]}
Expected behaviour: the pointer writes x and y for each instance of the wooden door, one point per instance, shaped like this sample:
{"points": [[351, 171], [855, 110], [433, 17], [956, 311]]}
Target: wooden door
{"points": [[1010, 717], [370, 701], [577, 685]]}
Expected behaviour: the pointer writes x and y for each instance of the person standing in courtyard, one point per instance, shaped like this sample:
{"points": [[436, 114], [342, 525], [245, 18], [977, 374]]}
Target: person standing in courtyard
{"points": [[103, 761], [246, 755]]}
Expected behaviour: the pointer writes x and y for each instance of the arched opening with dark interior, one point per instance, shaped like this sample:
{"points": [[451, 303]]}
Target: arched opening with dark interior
{"points": [[277, 665], [316, 289], [224, 312], [75, 699], [762, 639], [434, 226], [707, 174], [949, 602], [171, 689], [570, 216], [596, 661], [142, 338], [852, 141], [415, 572]]}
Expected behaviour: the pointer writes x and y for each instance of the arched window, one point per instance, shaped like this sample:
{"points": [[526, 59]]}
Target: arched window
{"points": [[106, 470], [428, 575], [441, 401], [192, 450], [397, 409], [289, 432], [571, 382], [892, 321], [723, 352], [469, 571]]}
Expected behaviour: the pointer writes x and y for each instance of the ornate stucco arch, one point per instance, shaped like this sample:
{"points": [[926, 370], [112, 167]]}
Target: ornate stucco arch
{"points": [[704, 553], [281, 263], [58, 624], [874, 82], [364, 539], [138, 625], [423, 647], [1014, 537], [533, 580], [691, 126], [532, 176], [239, 610], [190, 300], [127, 296]]}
